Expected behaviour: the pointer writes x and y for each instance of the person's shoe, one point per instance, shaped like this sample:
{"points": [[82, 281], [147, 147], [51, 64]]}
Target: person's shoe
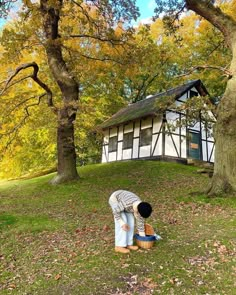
{"points": [[122, 250], [131, 247]]}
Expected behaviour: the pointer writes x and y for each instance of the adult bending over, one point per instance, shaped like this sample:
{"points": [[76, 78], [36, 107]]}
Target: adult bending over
{"points": [[127, 207]]}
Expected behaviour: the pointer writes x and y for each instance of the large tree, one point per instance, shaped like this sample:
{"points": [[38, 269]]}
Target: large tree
{"points": [[59, 22], [224, 178]]}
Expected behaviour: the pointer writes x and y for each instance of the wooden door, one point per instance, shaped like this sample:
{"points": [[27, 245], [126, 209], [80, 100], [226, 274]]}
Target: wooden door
{"points": [[194, 145]]}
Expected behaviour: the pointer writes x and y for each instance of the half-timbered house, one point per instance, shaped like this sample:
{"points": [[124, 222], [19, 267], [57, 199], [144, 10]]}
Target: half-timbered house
{"points": [[144, 131]]}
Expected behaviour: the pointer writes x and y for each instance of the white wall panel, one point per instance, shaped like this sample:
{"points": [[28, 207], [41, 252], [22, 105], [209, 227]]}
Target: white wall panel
{"points": [[145, 151], [183, 97], [113, 132], [183, 131], [106, 137], [112, 156], [176, 140], [120, 133], [105, 154], [127, 154], [119, 151], [169, 147], [183, 147], [172, 118], [204, 134], [194, 89], [128, 128], [136, 129], [181, 100], [204, 150], [178, 103], [146, 123], [158, 148], [156, 125], [196, 126], [210, 135], [135, 148], [210, 147]]}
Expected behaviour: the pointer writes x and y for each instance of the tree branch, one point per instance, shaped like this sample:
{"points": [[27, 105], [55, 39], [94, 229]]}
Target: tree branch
{"points": [[112, 41], [85, 13], [16, 128], [225, 23], [33, 76], [228, 73], [22, 103], [102, 59]]}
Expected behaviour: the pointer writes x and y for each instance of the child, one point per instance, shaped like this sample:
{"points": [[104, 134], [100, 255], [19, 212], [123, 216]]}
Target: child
{"points": [[125, 207]]}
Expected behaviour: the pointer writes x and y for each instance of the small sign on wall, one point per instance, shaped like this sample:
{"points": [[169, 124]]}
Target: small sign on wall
{"points": [[194, 146]]}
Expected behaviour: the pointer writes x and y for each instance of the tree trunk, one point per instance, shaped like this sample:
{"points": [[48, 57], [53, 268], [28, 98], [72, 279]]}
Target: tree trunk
{"points": [[224, 178], [69, 91], [66, 168]]}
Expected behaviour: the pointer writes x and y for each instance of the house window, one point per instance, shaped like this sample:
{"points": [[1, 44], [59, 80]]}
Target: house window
{"points": [[146, 136], [128, 140], [112, 147]]}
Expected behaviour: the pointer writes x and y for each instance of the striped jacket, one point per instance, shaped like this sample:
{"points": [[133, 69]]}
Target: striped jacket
{"points": [[123, 201]]}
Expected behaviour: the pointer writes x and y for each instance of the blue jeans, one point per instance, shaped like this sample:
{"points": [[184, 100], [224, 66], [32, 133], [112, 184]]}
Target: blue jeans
{"points": [[123, 238]]}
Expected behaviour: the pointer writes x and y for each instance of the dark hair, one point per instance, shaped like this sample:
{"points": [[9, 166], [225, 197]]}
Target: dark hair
{"points": [[144, 209]]}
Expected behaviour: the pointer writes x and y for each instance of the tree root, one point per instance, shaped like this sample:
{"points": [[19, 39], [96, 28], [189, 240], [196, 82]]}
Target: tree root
{"points": [[219, 186], [61, 178]]}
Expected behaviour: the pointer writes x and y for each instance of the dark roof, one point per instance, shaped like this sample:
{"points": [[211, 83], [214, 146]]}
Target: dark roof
{"points": [[148, 106]]}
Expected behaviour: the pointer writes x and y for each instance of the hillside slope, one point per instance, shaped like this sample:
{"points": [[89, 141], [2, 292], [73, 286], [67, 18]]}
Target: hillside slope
{"points": [[59, 239]]}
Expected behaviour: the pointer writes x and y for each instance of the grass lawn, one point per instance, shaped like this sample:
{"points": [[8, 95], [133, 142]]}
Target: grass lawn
{"points": [[60, 239]]}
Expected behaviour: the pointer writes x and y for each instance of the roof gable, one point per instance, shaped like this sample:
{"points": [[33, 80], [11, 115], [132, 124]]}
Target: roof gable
{"points": [[148, 106]]}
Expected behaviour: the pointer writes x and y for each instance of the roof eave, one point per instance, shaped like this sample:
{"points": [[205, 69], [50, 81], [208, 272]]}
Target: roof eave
{"points": [[151, 114]]}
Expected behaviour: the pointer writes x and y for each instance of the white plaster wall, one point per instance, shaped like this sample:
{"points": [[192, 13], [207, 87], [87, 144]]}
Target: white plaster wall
{"points": [[194, 89], [203, 131], [119, 151], [178, 103], [210, 146], [113, 132], [156, 125], [103, 158], [128, 128], [136, 129], [105, 154], [210, 135], [172, 118], [145, 151], [146, 123], [177, 143], [183, 147], [158, 148], [127, 154], [183, 131], [112, 156], [135, 148], [204, 151], [120, 133], [196, 126], [106, 137], [183, 98], [169, 146]]}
